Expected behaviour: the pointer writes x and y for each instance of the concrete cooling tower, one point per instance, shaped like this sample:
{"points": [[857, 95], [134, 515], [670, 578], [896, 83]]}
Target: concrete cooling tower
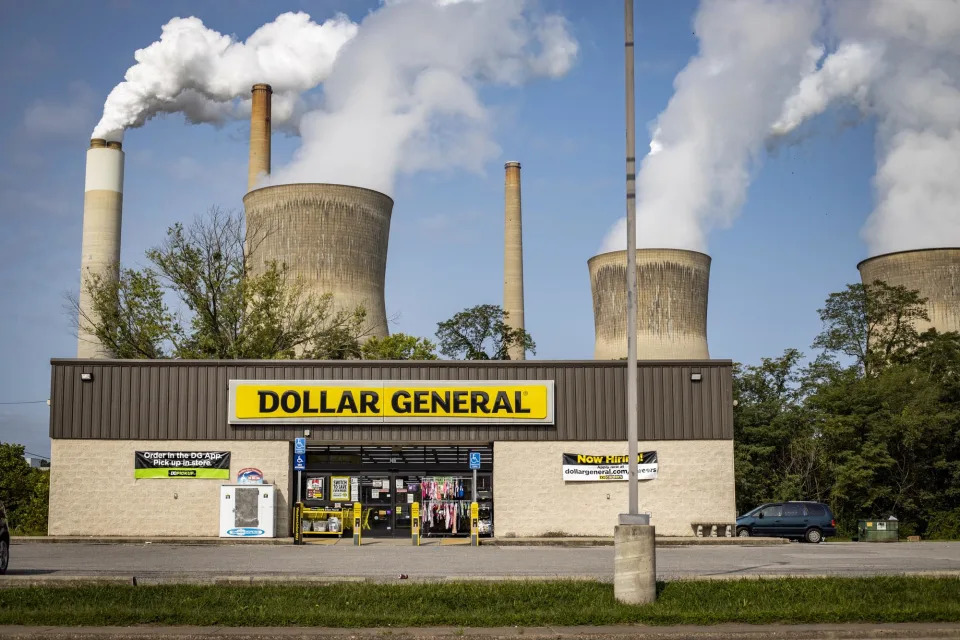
{"points": [[935, 273], [672, 286], [332, 236], [100, 252]]}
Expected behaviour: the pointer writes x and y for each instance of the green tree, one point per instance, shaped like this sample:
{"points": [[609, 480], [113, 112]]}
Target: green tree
{"points": [[872, 323], [398, 346], [481, 333], [774, 454], [224, 311], [24, 491]]}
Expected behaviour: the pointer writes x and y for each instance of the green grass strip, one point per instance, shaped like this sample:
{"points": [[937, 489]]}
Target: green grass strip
{"points": [[483, 604]]}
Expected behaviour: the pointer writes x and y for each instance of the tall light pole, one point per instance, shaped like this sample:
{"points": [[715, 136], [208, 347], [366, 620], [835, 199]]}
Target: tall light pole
{"points": [[632, 453], [634, 540]]}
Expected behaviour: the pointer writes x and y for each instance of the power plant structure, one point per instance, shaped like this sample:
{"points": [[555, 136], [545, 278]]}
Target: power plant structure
{"points": [[672, 290], [100, 252], [935, 273], [332, 236], [260, 132], [513, 255]]}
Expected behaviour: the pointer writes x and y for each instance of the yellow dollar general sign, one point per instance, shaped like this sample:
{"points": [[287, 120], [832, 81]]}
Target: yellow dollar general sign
{"points": [[313, 402]]}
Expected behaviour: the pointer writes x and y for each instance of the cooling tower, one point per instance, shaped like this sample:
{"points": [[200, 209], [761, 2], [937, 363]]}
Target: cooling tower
{"points": [[513, 255], [259, 134], [332, 236], [672, 286], [100, 252], [935, 273]]}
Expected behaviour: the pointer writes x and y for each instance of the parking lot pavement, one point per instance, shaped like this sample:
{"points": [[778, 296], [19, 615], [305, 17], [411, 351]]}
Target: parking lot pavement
{"points": [[33, 563]]}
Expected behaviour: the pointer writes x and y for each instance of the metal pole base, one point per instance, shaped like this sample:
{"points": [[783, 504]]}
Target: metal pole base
{"points": [[635, 564], [634, 518]]}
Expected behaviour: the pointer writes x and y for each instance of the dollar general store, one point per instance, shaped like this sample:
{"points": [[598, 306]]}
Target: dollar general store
{"points": [[142, 448]]}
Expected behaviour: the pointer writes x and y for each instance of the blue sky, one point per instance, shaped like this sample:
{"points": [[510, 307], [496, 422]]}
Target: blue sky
{"points": [[796, 240]]}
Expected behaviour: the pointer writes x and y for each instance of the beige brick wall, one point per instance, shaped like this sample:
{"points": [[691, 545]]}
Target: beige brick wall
{"points": [[93, 491], [695, 483]]}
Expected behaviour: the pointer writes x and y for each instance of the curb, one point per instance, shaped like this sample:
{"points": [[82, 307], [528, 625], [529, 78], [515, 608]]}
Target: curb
{"points": [[240, 580], [134, 540], [495, 542], [660, 542]]}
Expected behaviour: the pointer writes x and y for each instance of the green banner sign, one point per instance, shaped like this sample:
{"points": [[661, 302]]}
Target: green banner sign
{"points": [[182, 464]]}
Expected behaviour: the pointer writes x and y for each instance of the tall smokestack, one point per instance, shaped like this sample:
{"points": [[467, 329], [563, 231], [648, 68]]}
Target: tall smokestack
{"points": [[100, 253], [935, 273], [513, 255], [259, 134], [672, 288]]}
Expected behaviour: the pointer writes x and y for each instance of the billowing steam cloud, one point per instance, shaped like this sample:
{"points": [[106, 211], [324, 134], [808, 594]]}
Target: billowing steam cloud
{"points": [[753, 53], [900, 62], [400, 90], [403, 94], [199, 72]]}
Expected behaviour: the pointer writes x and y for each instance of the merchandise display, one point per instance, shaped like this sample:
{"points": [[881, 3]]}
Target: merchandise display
{"points": [[319, 521], [446, 506]]}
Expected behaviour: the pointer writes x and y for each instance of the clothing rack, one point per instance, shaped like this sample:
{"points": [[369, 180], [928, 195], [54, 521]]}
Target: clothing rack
{"points": [[445, 509]]}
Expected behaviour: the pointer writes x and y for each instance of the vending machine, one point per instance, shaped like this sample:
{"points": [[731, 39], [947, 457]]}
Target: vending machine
{"points": [[247, 510]]}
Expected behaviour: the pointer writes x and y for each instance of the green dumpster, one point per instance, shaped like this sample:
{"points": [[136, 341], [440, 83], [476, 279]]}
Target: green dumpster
{"points": [[878, 530]]}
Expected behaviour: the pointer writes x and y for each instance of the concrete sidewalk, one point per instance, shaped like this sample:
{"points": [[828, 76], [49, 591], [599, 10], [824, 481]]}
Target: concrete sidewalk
{"points": [[662, 541], [714, 632]]}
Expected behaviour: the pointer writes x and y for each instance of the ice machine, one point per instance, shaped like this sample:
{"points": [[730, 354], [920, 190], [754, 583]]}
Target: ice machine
{"points": [[247, 510]]}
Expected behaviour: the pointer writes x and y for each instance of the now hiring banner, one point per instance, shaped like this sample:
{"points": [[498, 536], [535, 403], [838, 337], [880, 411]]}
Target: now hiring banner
{"points": [[578, 467]]}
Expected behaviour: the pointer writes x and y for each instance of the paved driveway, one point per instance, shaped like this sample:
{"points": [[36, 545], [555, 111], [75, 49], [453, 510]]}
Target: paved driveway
{"points": [[203, 563]]}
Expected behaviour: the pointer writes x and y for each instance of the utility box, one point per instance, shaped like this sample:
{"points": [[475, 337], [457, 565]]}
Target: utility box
{"points": [[878, 530], [247, 510]]}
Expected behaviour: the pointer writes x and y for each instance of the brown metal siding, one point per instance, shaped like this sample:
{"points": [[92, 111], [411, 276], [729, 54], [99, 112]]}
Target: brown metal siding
{"points": [[187, 400]]}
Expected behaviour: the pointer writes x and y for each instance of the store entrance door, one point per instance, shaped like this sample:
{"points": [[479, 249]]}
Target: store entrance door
{"points": [[376, 496], [387, 500]]}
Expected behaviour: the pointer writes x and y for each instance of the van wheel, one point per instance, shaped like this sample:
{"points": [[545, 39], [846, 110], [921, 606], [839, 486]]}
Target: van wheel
{"points": [[814, 536], [743, 532]]}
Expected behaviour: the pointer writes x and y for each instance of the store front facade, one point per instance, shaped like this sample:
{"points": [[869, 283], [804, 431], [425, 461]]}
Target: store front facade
{"points": [[388, 480], [388, 435]]}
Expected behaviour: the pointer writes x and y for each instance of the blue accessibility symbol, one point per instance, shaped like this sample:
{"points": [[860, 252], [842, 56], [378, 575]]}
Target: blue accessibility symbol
{"points": [[299, 445], [474, 459], [300, 462]]}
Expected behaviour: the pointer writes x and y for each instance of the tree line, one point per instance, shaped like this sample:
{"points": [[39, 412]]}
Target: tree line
{"points": [[869, 425]]}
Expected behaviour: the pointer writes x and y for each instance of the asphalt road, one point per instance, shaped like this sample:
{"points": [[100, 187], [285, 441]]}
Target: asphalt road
{"points": [[386, 562]]}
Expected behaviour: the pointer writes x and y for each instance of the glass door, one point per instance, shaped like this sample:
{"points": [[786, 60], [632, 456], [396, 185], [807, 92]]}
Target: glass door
{"points": [[406, 491], [376, 497]]}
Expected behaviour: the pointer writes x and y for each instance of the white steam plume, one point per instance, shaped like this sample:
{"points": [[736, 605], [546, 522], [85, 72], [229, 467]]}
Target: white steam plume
{"points": [[910, 82], [752, 55], [404, 96], [197, 71], [844, 74]]}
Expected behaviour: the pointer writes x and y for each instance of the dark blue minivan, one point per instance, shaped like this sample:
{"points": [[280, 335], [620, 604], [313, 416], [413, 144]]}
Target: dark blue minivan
{"points": [[810, 521]]}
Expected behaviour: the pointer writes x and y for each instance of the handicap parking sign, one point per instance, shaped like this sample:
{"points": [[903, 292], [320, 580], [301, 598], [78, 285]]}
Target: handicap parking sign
{"points": [[474, 459], [300, 462], [299, 445]]}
